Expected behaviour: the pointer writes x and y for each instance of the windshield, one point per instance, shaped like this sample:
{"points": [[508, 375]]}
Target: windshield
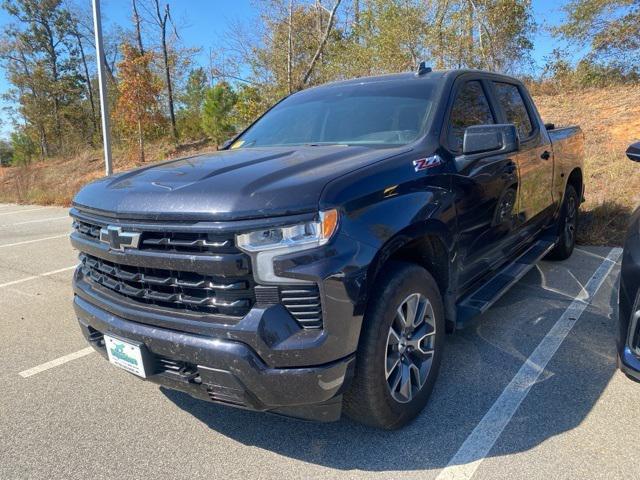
{"points": [[374, 114]]}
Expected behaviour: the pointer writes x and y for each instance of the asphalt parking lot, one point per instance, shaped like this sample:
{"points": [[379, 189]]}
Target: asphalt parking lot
{"points": [[499, 410]]}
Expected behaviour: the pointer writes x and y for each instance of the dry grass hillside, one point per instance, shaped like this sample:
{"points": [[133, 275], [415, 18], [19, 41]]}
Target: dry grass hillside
{"points": [[56, 181], [610, 119]]}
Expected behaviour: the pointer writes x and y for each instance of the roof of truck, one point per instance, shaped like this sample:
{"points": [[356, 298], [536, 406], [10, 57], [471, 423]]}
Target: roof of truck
{"points": [[410, 76]]}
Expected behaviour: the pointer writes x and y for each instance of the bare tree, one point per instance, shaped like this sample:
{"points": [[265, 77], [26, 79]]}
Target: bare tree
{"points": [[137, 24], [84, 27], [322, 44], [87, 76], [163, 19]]}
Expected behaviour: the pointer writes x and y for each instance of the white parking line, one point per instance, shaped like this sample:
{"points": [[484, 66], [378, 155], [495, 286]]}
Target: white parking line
{"points": [[58, 361], [479, 443], [66, 217], [33, 277], [24, 210], [33, 241]]}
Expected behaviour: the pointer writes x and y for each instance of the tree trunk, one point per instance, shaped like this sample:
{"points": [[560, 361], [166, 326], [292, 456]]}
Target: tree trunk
{"points": [[136, 22], [162, 22], [167, 71], [53, 58], [322, 44], [140, 142], [44, 147], [87, 79]]}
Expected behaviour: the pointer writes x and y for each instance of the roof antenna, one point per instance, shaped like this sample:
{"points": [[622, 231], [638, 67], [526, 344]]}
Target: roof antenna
{"points": [[423, 69]]}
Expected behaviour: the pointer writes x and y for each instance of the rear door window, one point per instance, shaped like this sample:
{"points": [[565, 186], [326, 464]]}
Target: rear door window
{"points": [[471, 107], [514, 108]]}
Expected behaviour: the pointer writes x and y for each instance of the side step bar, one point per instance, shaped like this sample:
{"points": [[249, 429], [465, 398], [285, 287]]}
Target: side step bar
{"points": [[479, 301]]}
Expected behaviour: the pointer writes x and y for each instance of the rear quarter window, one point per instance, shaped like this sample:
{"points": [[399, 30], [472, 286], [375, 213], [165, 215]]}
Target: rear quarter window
{"points": [[513, 105]]}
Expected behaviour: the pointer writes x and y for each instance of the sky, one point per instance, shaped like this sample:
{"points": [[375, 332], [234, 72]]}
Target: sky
{"points": [[203, 23]]}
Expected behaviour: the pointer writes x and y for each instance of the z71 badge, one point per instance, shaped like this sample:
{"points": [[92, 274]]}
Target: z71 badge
{"points": [[429, 162]]}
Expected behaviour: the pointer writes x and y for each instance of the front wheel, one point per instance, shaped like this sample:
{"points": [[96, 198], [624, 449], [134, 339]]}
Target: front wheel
{"points": [[567, 226], [400, 349]]}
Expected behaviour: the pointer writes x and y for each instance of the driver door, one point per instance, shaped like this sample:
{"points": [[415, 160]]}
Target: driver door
{"points": [[486, 189]]}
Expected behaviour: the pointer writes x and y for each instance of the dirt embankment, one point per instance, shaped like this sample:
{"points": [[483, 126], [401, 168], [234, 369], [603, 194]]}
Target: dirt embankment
{"points": [[610, 120]]}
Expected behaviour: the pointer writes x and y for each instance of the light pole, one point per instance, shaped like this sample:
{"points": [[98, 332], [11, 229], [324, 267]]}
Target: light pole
{"points": [[102, 83]]}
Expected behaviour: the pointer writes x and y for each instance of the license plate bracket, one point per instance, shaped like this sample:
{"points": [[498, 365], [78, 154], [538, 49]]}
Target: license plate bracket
{"points": [[129, 355]]}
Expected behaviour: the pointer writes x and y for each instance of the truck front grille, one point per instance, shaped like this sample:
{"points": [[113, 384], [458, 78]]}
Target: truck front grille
{"points": [[183, 268], [163, 241], [164, 288]]}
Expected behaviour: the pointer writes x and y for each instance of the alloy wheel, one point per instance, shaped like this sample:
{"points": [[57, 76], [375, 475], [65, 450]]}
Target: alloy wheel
{"points": [[410, 347], [570, 221]]}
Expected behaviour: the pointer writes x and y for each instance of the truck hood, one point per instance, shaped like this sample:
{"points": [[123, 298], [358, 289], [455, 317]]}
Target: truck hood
{"points": [[230, 184]]}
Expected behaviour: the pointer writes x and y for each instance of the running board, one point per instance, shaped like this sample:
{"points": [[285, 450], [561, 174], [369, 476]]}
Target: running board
{"points": [[479, 301]]}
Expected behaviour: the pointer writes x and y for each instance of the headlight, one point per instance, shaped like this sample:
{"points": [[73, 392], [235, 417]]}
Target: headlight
{"points": [[265, 245]]}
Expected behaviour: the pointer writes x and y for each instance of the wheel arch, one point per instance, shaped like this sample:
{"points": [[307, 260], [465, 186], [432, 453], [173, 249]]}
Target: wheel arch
{"points": [[429, 245], [576, 180]]}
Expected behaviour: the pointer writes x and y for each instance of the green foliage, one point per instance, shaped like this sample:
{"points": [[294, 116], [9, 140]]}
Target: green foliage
{"points": [[283, 66], [488, 34], [6, 153], [389, 37], [189, 116], [217, 120], [560, 74], [40, 54], [248, 107], [23, 147], [611, 28], [593, 74]]}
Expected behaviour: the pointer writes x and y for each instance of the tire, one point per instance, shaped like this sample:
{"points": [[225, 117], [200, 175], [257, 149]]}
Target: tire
{"points": [[567, 226], [380, 366]]}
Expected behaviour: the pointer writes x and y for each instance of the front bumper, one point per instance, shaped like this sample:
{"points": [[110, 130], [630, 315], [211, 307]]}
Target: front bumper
{"points": [[224, 371], [265, 358]]}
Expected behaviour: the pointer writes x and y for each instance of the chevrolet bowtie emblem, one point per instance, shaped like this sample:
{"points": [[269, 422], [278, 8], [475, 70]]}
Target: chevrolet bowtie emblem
{"points": [[117, 239]]}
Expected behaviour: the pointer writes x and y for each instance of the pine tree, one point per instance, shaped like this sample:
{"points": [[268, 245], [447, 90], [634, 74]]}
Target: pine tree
{"points": [[216, 113]]}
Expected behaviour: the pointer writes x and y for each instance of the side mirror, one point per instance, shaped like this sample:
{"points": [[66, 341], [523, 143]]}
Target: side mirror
{"points": [[501, 138], [487, 139], [633, 152]]}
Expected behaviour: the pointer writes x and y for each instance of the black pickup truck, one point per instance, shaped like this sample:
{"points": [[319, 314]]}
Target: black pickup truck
{"points": [[315, 263]]}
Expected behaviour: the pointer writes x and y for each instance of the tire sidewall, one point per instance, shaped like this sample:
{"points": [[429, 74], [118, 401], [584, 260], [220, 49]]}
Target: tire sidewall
{"points": [[570, 194], [406, 280]]}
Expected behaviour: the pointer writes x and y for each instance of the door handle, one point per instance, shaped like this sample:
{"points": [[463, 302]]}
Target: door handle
{"points": [[546, 155]]}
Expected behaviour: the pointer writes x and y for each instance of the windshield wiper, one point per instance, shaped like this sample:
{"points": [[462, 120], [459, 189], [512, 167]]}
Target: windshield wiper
{"points": [[325, 145]]}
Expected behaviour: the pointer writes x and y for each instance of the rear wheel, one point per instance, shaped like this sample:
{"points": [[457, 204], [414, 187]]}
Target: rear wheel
{"points": [[400, 349], [567, 226]]}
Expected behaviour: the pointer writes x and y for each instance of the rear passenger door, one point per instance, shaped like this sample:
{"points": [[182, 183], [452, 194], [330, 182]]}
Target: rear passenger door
{"points": [[486, 190], [535, 159]]}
